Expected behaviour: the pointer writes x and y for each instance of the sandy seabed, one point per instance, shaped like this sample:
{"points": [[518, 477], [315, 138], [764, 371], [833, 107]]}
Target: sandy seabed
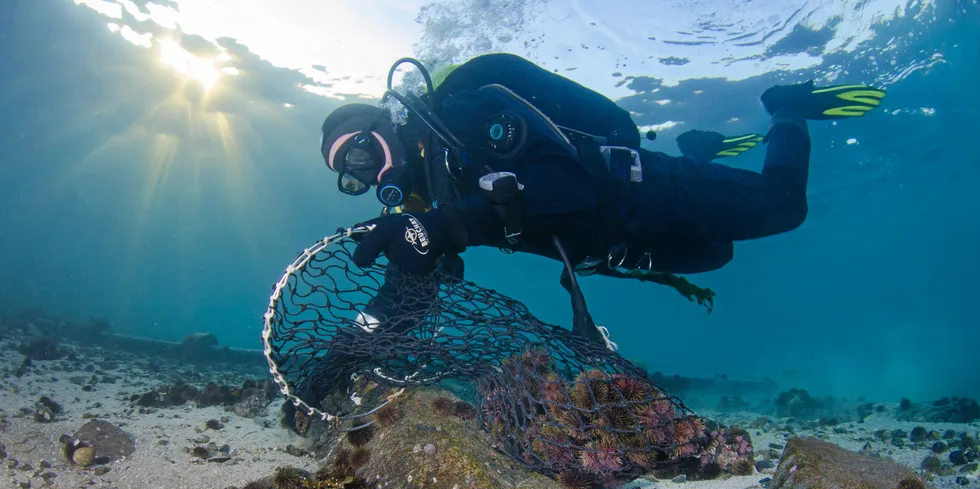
{"points": [[95, 383]]}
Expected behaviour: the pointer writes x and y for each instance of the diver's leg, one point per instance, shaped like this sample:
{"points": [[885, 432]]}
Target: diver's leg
{"points": [[687, 258], [684, 201]]}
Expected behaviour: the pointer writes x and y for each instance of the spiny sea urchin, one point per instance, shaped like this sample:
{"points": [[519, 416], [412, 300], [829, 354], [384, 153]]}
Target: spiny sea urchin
{"points": [[685, 450], [664, 408], [553, 390], [494, 408], [575, 480], [388, 415], [444, 405], [643, 459], [631, 388], [342, 458], [591, 389], [256, 484], [361, 437], [683, 431], [536, 360], [568, 419], [698, 425], [649, 418], [559, 454], [659, 436], [617, 417], [743, 467], [600, 458], [288, 478], [359, 458]]}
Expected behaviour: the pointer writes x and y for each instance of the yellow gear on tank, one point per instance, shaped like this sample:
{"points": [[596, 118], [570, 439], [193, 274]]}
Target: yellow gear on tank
{"points": [[414, 203]]}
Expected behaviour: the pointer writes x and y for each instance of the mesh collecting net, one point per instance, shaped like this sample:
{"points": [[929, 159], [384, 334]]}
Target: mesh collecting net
{"points": [[342, 341]]}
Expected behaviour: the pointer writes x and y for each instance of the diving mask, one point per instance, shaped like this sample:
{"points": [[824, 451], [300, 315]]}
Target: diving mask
{"points": [[359, 160]]}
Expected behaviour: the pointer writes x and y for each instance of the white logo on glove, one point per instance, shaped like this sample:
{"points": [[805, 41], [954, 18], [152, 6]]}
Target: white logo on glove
{"points": [[416, 236]]}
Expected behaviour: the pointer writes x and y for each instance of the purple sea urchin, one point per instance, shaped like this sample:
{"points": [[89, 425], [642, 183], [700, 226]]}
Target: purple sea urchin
{"points": [[618, 418], [603, 426], [600, 458], [631, 388], [683, 431]]}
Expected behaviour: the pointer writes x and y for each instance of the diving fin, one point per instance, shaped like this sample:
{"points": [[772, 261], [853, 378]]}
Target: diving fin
{"points": [[821, 103], [704, 146]]}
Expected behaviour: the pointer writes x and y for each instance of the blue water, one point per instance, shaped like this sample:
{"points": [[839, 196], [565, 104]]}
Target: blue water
{"points": [[124, 195]]}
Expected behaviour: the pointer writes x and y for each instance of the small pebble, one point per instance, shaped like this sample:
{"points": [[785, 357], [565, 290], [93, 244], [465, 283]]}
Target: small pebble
{"points": [[679, 479], [417, 448], [429, 449]]}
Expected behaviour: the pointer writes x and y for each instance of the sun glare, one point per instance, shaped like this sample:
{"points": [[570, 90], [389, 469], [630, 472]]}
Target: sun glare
{"points": [[203, 71]]}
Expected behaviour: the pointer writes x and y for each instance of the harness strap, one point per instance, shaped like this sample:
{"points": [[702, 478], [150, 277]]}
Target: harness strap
{"points": [[612, 179], [507, 201]]}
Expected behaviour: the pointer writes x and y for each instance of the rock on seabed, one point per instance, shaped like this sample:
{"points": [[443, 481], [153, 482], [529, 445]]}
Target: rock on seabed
{"points": [[811, 463]]}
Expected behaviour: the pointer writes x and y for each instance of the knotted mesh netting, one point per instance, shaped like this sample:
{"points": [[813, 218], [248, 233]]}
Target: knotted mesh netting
{"points": [[342, 340]]}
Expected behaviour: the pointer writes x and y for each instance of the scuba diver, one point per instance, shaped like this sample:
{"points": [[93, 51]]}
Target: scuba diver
{"points": [[507, 154]]}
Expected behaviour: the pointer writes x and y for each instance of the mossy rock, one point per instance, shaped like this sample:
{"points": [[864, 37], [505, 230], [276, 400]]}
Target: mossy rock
{"points": [[816, 464], [464, 455]]}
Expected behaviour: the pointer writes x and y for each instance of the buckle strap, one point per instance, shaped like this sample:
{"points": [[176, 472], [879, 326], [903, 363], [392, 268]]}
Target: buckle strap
{"points": [[507, 201]]}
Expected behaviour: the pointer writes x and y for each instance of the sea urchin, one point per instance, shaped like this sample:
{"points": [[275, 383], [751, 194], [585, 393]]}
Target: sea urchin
{"points": [[388, 415], [444, 406], [288, 478]]}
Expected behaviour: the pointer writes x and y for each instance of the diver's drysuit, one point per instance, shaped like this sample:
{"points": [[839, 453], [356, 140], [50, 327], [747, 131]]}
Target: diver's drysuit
{"points": [[609, 207]]}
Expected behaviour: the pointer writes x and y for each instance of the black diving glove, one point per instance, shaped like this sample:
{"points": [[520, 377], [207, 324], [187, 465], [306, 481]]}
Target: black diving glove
{"points": [[805, 101], [411, 241]]}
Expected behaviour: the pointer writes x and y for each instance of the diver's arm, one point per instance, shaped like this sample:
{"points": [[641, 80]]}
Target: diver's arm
{"points": [[558, 199], [482, 225]]}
